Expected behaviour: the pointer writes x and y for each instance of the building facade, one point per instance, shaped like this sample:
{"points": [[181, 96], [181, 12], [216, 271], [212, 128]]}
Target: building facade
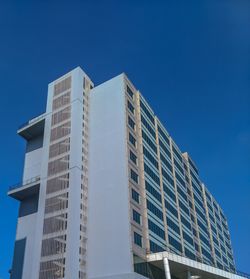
{"points": [[107, 193]]}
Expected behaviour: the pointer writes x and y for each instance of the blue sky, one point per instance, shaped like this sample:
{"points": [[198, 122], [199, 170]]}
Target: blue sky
{"points": [[190, 59]]}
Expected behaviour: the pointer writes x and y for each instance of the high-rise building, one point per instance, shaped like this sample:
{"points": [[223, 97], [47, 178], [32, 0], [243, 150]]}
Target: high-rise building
{"points": [[107, 193]]}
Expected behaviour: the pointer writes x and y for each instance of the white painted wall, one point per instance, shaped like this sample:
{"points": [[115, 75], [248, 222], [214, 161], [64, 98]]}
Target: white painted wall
{"points": [[109, 242], [32, 164]]}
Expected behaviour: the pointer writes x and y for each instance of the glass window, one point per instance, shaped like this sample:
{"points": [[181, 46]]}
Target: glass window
{"points": [[156, 229], [150, 189], [133, 157], [155, 248], [137, 239], [148, 126], [150, 157], [132, 140], [176, 244], [171, 224], [135, 196], [149, 142], [136, 217], [130, 92], [131, 107], [134, 176], [146, 111], [155, 210], [131, 123]]}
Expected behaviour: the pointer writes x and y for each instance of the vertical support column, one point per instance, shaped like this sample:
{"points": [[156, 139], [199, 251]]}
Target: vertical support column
{"points": [[166, 268], [189, 275]]}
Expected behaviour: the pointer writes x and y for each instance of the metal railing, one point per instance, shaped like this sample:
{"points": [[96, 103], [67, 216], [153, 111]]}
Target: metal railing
{"points": [[25, 183], [32, 120]]}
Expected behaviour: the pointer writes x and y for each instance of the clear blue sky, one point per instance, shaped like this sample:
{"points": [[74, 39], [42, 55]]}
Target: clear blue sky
{"points": [[190, 59]]}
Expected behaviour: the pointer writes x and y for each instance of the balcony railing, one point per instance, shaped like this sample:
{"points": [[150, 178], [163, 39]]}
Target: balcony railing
{"points": [[33, 120], [25, 183]]}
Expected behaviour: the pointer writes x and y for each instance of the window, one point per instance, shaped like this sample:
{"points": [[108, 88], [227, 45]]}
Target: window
{"points": [[149, 142], [206, 254], [188, 238], [185, 222], [201, 214], [132, 140], [134, 176], [148, 126], [173, 226], [153, 191], [154, 248], [180, 180], [137, 239], [203, 227], [131, 123], [156, 229], [150, 157], [208, 196], [156, 211], [195, 179], [178, 166], [146, 111], [171, 209], [130, 92], [152, 174], [189, 254], [131, 107], [183, 207], [215, 240], [223, 249], [169, 193], [164, 136], [166, 162], [192, 165], [136, 217], [219, 265], [177, 154], [164, 148], [182, 194], [209, 206], [213, 229], [135, 196], [167, 177], [176, 244], [133, 157], [204, 240]]}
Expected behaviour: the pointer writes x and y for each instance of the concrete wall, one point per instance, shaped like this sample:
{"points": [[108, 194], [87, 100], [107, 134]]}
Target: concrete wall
{"points": [[32, 164], [109, 242]]}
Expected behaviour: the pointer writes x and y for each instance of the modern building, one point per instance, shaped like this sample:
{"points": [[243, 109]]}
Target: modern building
{"points": [[107, 193]]}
